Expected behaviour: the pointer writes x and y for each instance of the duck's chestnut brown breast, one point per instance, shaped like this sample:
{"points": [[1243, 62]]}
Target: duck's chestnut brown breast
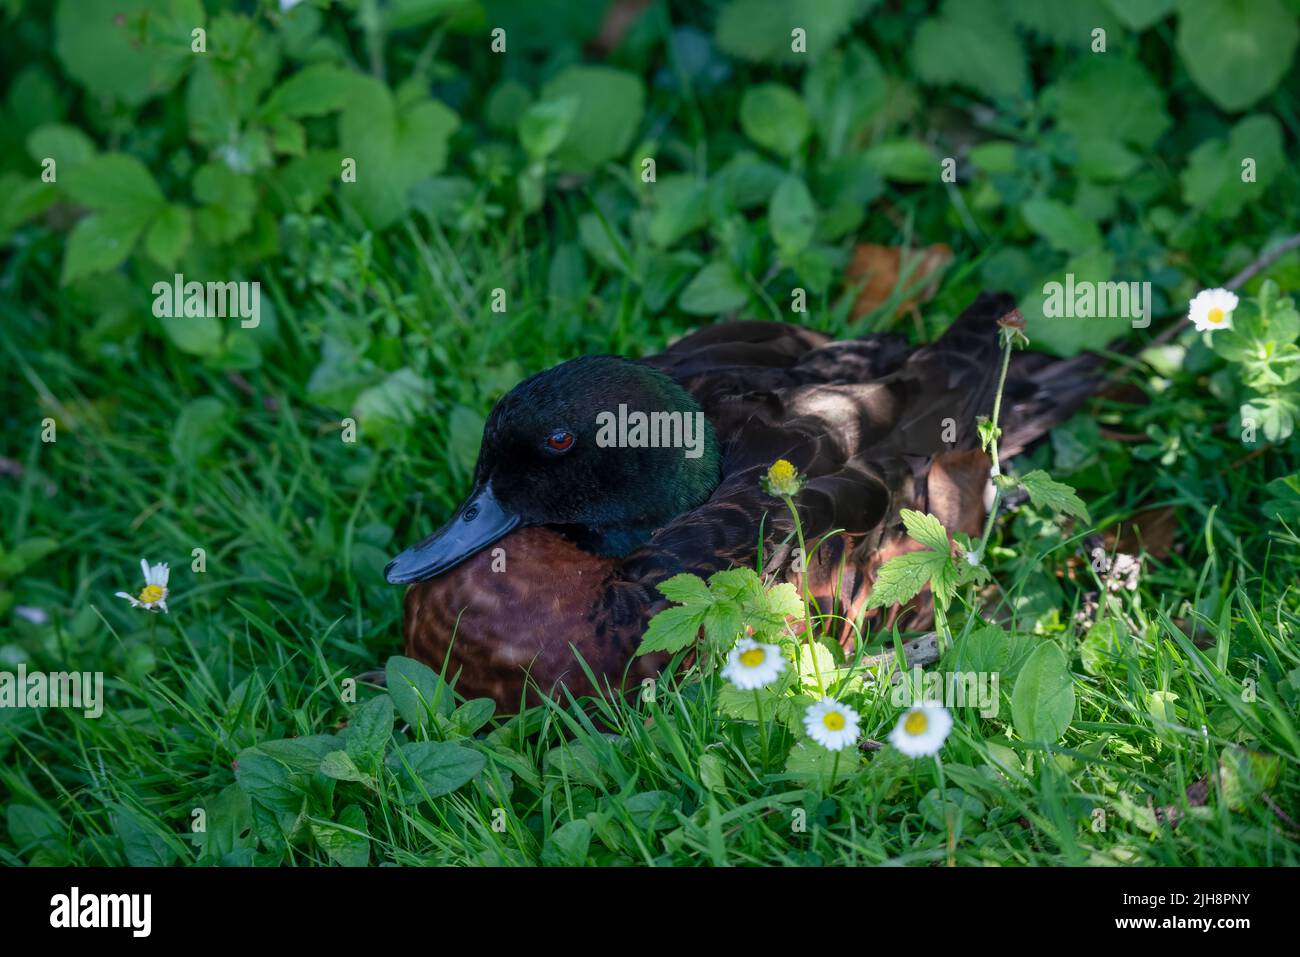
{"points": [[517, 611]]}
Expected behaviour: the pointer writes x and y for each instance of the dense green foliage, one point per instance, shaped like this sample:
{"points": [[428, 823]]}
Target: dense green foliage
{"points": [[518, 179]]}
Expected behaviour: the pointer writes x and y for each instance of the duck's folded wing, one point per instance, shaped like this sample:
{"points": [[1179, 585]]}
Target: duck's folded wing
{"points": [[864, 421]]}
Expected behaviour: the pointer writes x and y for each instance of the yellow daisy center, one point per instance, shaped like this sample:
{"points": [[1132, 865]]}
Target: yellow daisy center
{"points": [[833, 720], [752, 658], [781, 471], [151, 593], [1215, 316], [916, 723]]}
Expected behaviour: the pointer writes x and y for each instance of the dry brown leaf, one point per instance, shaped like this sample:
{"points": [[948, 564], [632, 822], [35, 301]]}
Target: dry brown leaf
{"points": [[881, 267]]}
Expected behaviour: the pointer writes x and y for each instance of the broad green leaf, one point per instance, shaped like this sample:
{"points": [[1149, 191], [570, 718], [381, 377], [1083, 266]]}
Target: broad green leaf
{"points": [[1061, 226], [1109, 98], [907, 161], [971, 44], [126, 50], [169, 236], [544, 125], [672, 629], [903, 576], [64, 144], [567, 845], [716, 288], [312, 91], [437, 767], [774, 117], [1236, 51], [686, 589], [1057, 496], [608, 112], [369, 732], [348, 842], [792, 216], [925, 528], [1140, 14], [394, 146], [415, 688], [99, 243], [762, 30], [114, 183], [1214, 181], [1042, 704]]}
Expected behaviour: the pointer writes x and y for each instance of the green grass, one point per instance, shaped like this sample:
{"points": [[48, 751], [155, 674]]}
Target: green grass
{"points": [[296, 525], [165, 446]]}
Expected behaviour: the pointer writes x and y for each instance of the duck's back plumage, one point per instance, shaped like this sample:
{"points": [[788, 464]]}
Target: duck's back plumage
{"points": [[874, 427]]}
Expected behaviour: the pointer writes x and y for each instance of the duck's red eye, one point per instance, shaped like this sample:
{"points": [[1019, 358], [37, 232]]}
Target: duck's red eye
{"points": [[560, 441]]}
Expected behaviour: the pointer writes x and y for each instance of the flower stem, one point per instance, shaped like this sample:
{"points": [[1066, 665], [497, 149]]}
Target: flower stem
{"points": [[807, 598], [1007, 341], [762, 727]]}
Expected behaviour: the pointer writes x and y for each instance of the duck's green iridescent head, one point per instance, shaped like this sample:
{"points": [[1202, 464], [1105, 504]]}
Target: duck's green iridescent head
{"points": [[608, 448]]}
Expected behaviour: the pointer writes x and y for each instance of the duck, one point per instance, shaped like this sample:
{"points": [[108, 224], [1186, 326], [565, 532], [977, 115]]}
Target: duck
{"points": [[545, 577]]}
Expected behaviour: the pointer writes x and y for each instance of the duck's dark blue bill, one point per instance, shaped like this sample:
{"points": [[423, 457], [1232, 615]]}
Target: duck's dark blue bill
{"points": [[476, 525]]}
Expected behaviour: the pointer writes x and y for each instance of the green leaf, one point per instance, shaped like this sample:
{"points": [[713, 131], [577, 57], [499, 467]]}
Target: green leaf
{"points": [[545, 125], [312, 91], [369, 732], [472, 715], [415, 688], [1137, 15], [716, 288], [774, 117], [1236, 51], [903, 576], [64, 144], [1061, 226], [1276, 415], [907, 161], [394, 145], [609, 107], [348, 842], [567, 845], [1042, 704], [792, 216], [760, 30], [100, 243], [672, 629], [685, 589], [340, 766], [1056, 496], [1109, 98], [437, 768], [169, 236], [971, 44], [114, 182], [126, 50], [1212, 183], [199, 430], [265, 780], [925, 528]]}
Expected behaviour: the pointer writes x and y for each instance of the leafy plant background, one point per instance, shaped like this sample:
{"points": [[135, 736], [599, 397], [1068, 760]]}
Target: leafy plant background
{"points": [[522, 171]]}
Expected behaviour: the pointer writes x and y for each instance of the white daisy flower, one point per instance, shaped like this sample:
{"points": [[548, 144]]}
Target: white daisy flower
{"points": [[751, 665], [831, 724], [922, 730], [1212, 309], [154, 594]]}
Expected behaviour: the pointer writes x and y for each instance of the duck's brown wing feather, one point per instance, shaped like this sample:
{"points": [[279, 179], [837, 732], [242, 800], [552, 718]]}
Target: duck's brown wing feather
{"points": [[865, 422]]}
